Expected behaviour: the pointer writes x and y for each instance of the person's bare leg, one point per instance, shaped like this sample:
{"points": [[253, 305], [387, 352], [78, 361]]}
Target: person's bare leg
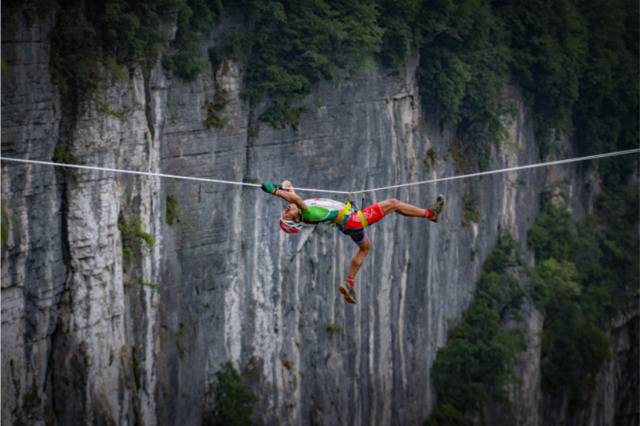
{"points": [[358, 258], [346, 289], [392, 205]]}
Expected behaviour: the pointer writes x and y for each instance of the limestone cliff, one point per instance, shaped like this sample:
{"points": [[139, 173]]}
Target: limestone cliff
{"points": [[94, 334]]}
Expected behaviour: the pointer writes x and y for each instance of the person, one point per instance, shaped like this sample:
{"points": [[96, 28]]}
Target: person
{"points": [[347, 218]]}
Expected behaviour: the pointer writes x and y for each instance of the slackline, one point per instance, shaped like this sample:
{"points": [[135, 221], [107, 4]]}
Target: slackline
{"points": [[402, 185]]}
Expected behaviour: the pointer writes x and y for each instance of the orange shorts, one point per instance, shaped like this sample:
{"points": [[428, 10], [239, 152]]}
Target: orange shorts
{"points": [[372, 213], [353, 226]]}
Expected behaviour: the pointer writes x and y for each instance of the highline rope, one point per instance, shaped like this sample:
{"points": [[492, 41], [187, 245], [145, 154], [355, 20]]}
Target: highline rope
{"points": [[330, 191]]}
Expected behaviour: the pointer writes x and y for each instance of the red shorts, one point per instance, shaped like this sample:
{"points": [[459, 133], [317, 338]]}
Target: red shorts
{"points": [[373, 213]]}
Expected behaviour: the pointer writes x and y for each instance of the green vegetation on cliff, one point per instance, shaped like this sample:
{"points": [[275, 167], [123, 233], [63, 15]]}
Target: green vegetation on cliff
{"points": [[93, 41], [233, 401], [294, 45], [586, 273], [133, 236], [463, 69], [575, 61], [478, 361]]}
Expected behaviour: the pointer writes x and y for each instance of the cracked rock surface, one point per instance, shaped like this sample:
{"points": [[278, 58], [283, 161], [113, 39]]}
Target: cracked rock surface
{"points": [[113, 315]]}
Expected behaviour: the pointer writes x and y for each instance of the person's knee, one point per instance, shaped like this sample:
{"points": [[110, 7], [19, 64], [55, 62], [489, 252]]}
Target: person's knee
{"points": [[365, 247], [390, 205]]}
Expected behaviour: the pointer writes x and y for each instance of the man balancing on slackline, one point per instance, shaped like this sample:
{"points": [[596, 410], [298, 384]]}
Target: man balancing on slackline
{"points": [[348, 219]]}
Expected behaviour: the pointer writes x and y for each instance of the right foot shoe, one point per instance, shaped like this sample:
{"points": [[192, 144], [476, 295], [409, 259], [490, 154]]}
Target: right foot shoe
{"points": [[348, 293], [437, 208]]}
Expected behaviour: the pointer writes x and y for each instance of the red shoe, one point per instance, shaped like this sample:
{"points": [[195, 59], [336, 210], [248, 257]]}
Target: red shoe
{"points": [[348, 293]]}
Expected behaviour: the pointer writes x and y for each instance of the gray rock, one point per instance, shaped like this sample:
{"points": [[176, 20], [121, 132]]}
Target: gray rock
{"points": [[90, 335]]}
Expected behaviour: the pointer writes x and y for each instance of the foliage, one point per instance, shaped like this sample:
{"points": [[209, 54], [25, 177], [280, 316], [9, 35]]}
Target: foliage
{"points": [[187, 63], [180, 347], [215, 108], [576, 61], [5, 221], [470, 212], [606, 113], [4, 231], [132, 30], [558, 52], [548, 43], [334, 328], [554, 233], [72, 61], [504, 256], [4, 68], [232, 46], [586, 273], [398, 20], [104, 108], [293, 46], [233, 401], [296, 44], [463, 68], [477, 362], [446, 415], [63, 153], [92, 41], [429, 159], [554, 283], [133, 236], [172, 210], [141, 282], [573, 346], [117, 72], [29, 10]]}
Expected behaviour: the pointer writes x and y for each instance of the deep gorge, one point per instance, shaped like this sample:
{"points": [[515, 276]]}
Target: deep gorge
{"points": [[123, 296]]}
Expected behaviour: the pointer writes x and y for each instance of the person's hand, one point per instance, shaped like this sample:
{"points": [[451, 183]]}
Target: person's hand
{"points": [[286, 185], [270, 187]]}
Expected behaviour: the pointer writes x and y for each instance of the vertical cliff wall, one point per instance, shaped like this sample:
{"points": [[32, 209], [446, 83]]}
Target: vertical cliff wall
{"points": [[31, 285], [101, 324], [78, 328]]}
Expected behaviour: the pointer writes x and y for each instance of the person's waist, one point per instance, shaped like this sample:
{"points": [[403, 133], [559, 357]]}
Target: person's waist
{"points": [[345, 219], [345, 214]]}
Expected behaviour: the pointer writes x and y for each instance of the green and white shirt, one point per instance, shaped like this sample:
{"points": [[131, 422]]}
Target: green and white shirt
{"points": [[321, 210]]}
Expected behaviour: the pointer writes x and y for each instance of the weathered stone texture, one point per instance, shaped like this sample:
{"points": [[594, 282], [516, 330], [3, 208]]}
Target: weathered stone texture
{"points": [[90, 335]]}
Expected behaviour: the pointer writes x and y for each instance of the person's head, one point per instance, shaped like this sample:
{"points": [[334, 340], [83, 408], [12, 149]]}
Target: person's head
{"points": [[290, 219]]}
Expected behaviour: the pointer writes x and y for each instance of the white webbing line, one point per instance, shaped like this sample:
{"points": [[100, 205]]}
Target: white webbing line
{"points": [[153, 174], [199, 179], [130, 172], [508, 169]]}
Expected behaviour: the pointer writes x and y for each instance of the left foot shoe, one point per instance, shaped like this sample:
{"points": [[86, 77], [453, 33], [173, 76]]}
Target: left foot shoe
{"points": [[437, 208], [348, 293]]}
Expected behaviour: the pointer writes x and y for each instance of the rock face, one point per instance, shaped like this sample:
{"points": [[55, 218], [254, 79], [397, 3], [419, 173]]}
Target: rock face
{"points": [[616, 400], [99, 326]]}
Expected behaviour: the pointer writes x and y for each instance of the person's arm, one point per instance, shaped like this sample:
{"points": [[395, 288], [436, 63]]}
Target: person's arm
{"points": [[284, 191]]}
